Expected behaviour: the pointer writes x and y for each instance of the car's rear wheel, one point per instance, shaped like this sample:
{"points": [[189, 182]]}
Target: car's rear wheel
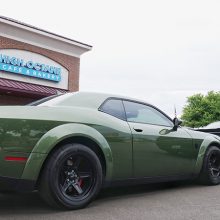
{"points": [[210, 173], [72, 177]]}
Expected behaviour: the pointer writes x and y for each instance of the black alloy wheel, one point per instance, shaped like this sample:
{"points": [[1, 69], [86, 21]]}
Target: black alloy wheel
{"points": [[76, 176], [210, 173], [214, 163], [72, 177]]}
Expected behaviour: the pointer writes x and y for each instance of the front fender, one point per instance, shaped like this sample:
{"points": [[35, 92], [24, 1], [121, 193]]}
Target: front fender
{"points": [[208, 141], [55, 136]]}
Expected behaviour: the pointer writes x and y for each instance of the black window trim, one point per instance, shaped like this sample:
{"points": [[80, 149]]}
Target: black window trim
{"points": [[138, 102], [152, 106]]}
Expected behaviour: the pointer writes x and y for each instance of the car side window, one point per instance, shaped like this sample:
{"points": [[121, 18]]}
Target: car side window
{"points": [[140, 113], [114, 107]]}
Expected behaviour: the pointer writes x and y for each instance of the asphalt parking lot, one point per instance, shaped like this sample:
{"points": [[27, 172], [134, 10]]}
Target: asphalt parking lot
{"points": [[160, 201]]}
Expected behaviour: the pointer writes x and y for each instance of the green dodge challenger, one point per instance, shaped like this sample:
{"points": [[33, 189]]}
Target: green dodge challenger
{"points": [[70, 146]]}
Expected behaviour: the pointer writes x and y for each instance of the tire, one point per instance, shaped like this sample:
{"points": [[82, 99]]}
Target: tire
{"points": [[210, 173], [71, 178]]}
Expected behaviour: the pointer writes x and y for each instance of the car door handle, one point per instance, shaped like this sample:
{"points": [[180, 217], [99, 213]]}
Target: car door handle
{"points": [[138, 129]]}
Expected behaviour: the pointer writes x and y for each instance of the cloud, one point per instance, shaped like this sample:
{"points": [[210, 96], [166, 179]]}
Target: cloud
{"points": [[160, 51]]}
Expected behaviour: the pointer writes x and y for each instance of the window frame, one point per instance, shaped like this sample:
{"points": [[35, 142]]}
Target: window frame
{"points": [[113, 98], [153, 107], [137, 102]]}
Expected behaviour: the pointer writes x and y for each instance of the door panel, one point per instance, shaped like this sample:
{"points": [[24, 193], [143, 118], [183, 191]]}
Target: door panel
{"points": [[160, 151], [118, 135]]}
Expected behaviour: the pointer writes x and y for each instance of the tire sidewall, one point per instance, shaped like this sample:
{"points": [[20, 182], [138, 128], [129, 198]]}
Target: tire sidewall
{"points": [[210, 179], [53, 178]]}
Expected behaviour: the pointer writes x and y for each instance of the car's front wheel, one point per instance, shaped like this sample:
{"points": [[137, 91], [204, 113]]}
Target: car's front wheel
{"points": [[71, 178], [210, 173]]}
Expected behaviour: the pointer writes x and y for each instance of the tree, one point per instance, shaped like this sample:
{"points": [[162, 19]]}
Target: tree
{"points": [[201, 110]]}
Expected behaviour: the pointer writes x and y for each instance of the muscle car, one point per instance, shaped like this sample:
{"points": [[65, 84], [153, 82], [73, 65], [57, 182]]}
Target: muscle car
{"points": [[68, 147]]}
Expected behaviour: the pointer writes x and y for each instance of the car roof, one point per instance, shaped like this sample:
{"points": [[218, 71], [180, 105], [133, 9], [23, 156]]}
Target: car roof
{"points": [[95, 99], [85, 99], [91, 100]]}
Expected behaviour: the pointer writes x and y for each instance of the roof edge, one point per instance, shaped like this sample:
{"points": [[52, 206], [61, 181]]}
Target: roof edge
{"points": [[89, 47]]}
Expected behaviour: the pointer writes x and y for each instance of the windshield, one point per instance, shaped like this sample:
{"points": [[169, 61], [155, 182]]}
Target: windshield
{"points": [[43, 100]]}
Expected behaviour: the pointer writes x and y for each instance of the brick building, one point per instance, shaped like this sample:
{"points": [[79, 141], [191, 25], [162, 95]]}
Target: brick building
{"points": [[35, 63]]}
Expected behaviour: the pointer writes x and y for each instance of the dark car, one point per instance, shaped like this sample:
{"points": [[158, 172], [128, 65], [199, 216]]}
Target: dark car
{"points": [[213, 128]]}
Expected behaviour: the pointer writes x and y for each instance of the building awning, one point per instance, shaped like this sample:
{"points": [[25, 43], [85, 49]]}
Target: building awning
{"points": [[29, 89]]}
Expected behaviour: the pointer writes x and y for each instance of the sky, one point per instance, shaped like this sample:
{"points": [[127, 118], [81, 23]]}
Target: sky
{"points": [[155, 50]]}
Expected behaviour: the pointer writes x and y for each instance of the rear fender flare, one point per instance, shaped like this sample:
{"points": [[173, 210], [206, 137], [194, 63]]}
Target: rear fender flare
{"points": [[56, 135], [208, 141]]}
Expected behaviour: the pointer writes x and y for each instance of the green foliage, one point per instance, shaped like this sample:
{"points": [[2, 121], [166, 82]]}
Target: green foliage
{"points": [[201, 109]]}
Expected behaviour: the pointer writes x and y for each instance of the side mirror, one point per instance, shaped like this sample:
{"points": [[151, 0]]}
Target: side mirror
{"points": [[176, 123]]}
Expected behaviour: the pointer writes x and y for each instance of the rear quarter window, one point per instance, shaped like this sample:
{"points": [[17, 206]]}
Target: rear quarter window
{"points": [[114, 107]]}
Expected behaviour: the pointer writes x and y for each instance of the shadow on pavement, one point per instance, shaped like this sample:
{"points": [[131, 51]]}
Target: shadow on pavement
{"points": [[134, 191], [31, 203]]}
